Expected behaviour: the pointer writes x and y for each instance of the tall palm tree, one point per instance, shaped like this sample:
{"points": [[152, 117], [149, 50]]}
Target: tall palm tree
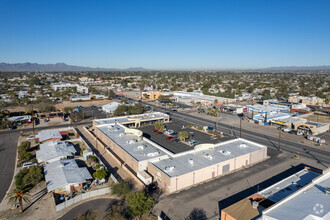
{"points": [[17, 197]]}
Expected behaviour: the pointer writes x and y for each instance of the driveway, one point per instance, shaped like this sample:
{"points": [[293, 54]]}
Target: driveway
{"points": [[103, 205], [8, 145]]}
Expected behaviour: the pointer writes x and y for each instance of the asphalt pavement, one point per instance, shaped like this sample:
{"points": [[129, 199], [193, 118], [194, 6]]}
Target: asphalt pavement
{"points": [[8, 145], [319, 155], [102, 205]]}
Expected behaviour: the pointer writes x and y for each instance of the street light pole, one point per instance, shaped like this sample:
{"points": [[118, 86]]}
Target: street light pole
{"points": [[32, 119]]}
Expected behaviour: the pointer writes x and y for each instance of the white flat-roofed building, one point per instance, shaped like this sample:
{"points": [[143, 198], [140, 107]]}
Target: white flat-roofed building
{"points": [[172, 171], [111, 107], [309, 202], [62, 86], [49, 135], [54, 150], [65, 176], [205, 162]]}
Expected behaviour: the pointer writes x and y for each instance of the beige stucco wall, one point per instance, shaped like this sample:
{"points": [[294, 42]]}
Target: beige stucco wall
{"points": [[189, 179]]}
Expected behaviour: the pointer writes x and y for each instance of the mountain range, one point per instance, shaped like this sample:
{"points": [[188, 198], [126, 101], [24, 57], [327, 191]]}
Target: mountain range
{"points": [[60, 67]]}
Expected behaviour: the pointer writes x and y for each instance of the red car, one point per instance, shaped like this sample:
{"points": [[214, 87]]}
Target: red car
{"points": [[154, 131], [169, 138], [159, 132]]}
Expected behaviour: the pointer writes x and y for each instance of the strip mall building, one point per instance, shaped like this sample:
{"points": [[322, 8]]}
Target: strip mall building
{"points": [[151, 162]]}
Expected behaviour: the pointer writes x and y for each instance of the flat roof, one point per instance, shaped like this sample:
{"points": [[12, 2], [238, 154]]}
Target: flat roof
{"points": [[289, 185], [140, 150], [53, 149], [128, 117], [310, 202], [197, 159], [63, 172], [49, 134], [290, 119]]}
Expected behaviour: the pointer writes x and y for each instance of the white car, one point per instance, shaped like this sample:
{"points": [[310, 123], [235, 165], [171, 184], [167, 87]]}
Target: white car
{"points": [[286, 130], [29, 164], [170, 132], [30, 138]]}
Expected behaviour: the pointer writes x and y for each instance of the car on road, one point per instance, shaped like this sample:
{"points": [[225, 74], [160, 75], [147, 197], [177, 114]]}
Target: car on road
{"points": [[193, 142], [30, 138], [154, 131], [159, 132], [169, 138], [29, 164]]}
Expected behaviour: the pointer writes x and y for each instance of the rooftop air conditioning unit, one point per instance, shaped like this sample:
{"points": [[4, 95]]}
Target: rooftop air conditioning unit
{"points": [[208, 156], [225, 152], [169, 168], [191, 161], [141, 147], [132, 141], [243, 146], [121, 134]]}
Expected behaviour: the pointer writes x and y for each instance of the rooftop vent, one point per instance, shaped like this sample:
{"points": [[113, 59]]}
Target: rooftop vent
{"points": [[327, 190], [141, 147], [191, 161], [169, 168], [243, 146], [132, 141], [121, 134], [153, 154], [208, 156], [255, 204], [225, 152]]}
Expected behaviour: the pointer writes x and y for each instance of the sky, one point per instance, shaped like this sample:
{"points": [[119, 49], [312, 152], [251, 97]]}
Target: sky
{"points": [[166, 34]]}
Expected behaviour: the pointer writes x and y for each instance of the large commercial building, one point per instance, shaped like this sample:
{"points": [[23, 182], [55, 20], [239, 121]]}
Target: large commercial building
{"points": [[151, 162], [195, 97], [306, 100]]}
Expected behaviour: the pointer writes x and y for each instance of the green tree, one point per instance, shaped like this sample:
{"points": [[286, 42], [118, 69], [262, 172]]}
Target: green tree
{"points": [[19, 179], [265, 121], [16, 197], [190, 90], [121, 189], [33, 177], [100, 174], [139, 203], [159, 126], [183, 135], [112, 94]]}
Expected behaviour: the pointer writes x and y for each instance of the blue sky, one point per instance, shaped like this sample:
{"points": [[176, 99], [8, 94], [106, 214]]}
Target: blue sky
{"points": [[166, 34]]}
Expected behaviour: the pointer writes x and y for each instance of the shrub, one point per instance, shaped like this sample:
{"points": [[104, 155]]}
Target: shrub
{"points": [[100, 174], [188, 126], [33, 177], [24, 156], [98, 166], [121, 189], [24, 146], [19, 178], [93, 158]]}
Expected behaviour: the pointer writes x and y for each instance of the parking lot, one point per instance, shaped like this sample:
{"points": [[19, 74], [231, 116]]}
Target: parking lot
{"points": [[177, 126], [93, 112]]}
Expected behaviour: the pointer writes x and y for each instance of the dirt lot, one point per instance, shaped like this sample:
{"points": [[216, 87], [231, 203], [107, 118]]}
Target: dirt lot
{"points": [[318, 118], [84, 104]]}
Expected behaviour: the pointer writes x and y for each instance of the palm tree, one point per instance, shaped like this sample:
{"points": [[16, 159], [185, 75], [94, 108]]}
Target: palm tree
{"points": [[17, 197]]}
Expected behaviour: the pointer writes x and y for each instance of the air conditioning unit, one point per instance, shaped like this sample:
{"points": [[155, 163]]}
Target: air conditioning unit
{"points": [[169, 168], [191, 161], [243, 146]]}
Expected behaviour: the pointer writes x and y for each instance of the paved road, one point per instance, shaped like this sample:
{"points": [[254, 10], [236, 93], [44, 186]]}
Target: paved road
{"points": [[102, 205], [8, 144], [319, 155]]}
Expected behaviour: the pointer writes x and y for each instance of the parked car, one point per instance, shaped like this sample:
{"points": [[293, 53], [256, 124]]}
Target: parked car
{"points": [[193, 142], [30, 138], [169, 132], [175, 139], [29, 164], [159, 132], [286, 130], [169, 138], [154, 131]]}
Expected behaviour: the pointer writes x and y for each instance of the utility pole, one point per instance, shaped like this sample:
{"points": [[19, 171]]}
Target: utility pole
{"points": [[279, 140], [32, 119], [240, 128]]}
